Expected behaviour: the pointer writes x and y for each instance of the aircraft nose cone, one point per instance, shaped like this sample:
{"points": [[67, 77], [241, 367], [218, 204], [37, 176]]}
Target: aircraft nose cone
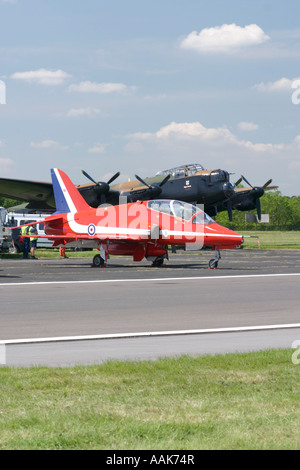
{"points": [[228, 189]]}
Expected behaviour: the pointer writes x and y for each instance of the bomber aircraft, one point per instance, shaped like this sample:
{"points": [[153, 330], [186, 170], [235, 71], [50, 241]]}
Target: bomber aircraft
{"points": [[142, 229], [190, 183]]}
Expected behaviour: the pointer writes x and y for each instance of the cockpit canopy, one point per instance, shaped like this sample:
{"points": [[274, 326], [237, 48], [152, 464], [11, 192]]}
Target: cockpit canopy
{"points": [[182, 171], [180, 210]]}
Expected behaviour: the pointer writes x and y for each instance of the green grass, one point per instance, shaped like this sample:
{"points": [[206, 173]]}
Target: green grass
{"points": [[242, 401], [52, 253], [269, 240]]}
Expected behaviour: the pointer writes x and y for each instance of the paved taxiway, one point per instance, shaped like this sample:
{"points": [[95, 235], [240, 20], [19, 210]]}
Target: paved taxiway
{"points": [[66, 298]]}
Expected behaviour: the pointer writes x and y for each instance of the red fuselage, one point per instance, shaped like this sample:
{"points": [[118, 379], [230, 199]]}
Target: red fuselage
{"points": [[141, 229]]}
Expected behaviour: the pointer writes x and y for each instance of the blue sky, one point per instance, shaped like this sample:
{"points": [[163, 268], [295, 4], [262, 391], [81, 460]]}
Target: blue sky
{"points": [[140, 86]]}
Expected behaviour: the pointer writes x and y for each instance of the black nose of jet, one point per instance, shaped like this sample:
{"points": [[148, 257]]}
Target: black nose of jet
{"points": [[228, 190]]}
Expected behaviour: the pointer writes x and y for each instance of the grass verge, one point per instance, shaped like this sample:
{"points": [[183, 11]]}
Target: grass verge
{"points": [[253, 239], [52, 253], [236, 401], [269, 240]]}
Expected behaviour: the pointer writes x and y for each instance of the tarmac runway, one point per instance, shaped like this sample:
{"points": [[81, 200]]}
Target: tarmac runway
{"points": [[70, 313]]}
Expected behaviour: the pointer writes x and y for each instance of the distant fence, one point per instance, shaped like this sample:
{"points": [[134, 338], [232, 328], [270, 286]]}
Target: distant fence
{"points": [[265, 227]]}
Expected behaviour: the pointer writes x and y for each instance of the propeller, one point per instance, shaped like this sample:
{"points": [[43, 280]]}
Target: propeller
{"points": [[229, 210], [114, 177], [238, 181], [266, 186], [153, 190], [258, 208], [246, 181], [155, 187], [259, 192], [154, 184], [267, 183], [142, 181], [102, 185], [165, 180], [251, 197]]}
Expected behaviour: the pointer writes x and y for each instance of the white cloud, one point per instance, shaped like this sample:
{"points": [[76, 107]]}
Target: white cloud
{"points": [[98, 148], [186, 130], [48, 144], [217, 147], [42, 76], [195, 133], [283, 84], [102, 88], [78, 112], [227, 38], [5, 165], [247, 126]]}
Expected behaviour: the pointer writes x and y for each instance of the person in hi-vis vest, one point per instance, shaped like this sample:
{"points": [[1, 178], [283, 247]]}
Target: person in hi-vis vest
{"points": [[26, 241], [32, 231]]}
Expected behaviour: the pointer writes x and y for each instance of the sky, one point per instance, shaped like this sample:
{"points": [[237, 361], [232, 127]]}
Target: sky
{"points": [[138, 87]]}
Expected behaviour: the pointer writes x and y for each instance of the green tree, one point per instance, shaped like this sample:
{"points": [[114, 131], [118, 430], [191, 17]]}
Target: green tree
{"points": [[284, 213], [5, 202]]}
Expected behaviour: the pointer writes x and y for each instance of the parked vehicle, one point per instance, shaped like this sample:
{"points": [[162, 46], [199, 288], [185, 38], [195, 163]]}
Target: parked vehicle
{"points": [[14, 219], [5, 235]]}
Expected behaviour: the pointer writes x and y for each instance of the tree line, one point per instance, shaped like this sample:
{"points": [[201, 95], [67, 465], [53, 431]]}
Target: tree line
{"points": [[284, 212]]}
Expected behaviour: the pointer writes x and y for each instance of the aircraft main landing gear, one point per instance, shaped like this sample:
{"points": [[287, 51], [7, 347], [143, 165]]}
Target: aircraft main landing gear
{"points": [[98, 262], [213, 263]]}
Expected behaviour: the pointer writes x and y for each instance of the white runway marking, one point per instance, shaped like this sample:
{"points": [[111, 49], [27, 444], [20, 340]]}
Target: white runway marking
{"points": [[149, 334], [156, 279]]}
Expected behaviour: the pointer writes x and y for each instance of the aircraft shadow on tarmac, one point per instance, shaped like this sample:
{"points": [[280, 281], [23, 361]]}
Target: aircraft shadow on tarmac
{"points": [[7, 276], [139, 267]]}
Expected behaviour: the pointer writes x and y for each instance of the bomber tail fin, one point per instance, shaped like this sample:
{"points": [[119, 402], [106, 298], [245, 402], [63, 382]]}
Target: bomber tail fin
{"points": [[67, 197]]}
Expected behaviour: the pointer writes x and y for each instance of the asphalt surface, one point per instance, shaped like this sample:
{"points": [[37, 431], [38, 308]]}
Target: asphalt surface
{"points": [[233, 262], [57, 298]]}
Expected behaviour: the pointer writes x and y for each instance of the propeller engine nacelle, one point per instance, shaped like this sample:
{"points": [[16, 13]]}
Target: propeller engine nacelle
{"points": [[101, 188]]}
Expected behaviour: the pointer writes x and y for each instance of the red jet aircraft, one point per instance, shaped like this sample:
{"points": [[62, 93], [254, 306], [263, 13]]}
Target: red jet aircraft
{"points": [[143, 229]]}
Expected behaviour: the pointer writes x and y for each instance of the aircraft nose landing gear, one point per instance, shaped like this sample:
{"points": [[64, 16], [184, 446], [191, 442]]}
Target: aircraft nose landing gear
{"points": [[158, 262], [213, 263]]}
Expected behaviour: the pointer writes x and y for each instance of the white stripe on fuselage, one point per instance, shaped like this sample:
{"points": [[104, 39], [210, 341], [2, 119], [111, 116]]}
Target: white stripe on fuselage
{"points": [[82, 229]]}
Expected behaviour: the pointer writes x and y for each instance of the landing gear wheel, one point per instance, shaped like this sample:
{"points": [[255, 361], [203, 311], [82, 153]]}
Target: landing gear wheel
{"points": [[98, 261], [213, 264], [158, 262]]}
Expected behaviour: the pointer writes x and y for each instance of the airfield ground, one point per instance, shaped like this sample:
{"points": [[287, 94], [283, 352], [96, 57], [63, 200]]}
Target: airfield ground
{"points": [[183, 399]]}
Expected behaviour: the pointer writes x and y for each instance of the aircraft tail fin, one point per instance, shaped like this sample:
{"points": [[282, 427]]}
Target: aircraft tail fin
{"points": [[67, 197]]}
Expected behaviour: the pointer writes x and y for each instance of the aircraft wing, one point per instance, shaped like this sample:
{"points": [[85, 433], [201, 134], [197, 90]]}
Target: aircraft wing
{"points": [[38, 194]]}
